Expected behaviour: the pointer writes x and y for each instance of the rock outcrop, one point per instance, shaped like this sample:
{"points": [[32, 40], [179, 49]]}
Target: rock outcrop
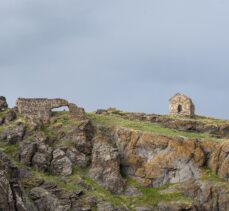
{"points": [[26, 152], [13, 133], [207, 195], [71, 145], [79, 162], [61, 165], [44, 200], [217, 158], [12, 197], [3, 103], [105, 167], [175, 160]]}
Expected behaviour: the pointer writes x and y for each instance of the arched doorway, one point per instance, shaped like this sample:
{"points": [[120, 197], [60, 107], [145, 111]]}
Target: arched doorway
{"points": [[61, 108], [59, 111], [179, 108]]}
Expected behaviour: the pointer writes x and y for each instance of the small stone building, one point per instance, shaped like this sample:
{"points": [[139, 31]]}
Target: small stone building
{"points": [[181, 105]]}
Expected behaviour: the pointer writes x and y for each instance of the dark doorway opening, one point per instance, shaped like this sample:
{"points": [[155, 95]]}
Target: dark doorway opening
{"points": [[179, 109]]}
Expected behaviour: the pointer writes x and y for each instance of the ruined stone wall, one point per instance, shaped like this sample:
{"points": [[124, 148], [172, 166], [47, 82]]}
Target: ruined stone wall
{"points": [[39, 108], [181, 105], [77, 112]]}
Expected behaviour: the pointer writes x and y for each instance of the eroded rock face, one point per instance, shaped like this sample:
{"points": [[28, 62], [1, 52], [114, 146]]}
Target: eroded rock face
{"points": [[27, 150], [12, 196], [10, 116], [41, 161], [61, 165], [105, 206], [81, 135], [174, 206], [156, 160], [35, 152], [44, 200], [207, 195], [78, 158], [44, 153], [106, 164], [14, 133], [218, 158]]}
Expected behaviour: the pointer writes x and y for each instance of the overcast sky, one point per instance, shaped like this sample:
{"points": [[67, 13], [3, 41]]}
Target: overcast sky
{"points": [[128, 54]]}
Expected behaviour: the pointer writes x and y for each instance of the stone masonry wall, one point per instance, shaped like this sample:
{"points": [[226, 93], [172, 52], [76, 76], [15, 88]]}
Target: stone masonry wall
{"points": [[181, 105], [39, 108], [77, 112]]}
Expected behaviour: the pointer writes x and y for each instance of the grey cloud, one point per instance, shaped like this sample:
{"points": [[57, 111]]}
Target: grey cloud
{"points": [[130, 54]]}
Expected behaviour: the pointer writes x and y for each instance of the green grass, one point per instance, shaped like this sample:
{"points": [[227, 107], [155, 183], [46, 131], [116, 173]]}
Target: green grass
{"points": [[9, 149], [68, 186], [65, 143], [201, 119], [97, 190], [197, 118], [61, 122], [63, 118], [155, 128], [151, 196], [3, 113], [209, 175], [47, 132]]}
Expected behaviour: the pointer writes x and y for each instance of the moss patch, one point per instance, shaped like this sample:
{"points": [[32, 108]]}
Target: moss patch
{"points": [[209, 175]]}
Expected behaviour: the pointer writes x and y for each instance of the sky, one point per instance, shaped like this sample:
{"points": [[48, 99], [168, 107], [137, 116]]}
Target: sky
{"points": [[129, 54]]}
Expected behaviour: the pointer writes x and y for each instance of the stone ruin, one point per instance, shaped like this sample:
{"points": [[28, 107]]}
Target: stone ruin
{"points": [[181, 105], [41, 108], [76, 111]]}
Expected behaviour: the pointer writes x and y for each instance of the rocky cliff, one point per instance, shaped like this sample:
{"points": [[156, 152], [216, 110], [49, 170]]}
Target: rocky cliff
{"points": [[113, 161]]}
